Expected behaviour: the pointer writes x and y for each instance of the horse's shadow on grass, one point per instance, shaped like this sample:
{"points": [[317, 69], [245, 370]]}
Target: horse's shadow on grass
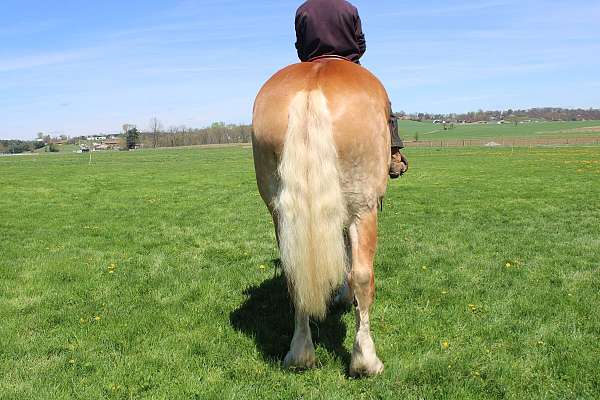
{"points": [[268, 317]]}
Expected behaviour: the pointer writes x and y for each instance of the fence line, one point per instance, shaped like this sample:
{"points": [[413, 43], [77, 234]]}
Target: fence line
{"points": [[589, 140]]}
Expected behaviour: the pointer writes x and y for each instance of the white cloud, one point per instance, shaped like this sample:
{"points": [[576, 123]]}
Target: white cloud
{"points": [[448, 9], [39, 60]]}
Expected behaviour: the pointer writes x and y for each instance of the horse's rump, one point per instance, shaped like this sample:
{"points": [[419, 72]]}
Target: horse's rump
{"points": [[359, 108]]}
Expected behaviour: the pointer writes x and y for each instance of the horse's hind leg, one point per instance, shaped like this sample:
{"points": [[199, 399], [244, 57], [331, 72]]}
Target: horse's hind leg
{"points": [[302, 350], [345, 295], [267, 178], [363, 236], [275, 223]]}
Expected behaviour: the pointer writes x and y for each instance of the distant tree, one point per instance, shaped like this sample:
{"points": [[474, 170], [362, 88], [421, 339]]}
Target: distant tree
{"points": [[127, 127], [16, 146], [132, 137], [171, 136], [155, 128]]}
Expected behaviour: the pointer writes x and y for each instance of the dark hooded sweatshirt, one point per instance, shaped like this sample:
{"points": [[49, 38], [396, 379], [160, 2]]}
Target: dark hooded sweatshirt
{"points": [[329, 27]]}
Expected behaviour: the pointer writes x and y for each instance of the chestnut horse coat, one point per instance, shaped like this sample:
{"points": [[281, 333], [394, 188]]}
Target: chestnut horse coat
{"points": [[322, 153]]}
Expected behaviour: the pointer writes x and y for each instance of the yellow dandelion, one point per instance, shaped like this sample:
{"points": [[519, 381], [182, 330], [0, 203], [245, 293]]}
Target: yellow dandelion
{"points": [[444, 292], [445, 345], [424, 268], [508, 265], [97, 318], [81, 320], [472, 307], [262, 266]]}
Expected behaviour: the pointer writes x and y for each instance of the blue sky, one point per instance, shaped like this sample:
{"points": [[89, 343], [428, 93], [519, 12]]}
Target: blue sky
{"points": [[83, 66]]}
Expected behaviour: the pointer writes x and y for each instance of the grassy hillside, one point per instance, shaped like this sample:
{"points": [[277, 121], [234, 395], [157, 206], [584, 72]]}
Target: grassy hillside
{"points": [[152, 274], [429, 131], [60, 148]]}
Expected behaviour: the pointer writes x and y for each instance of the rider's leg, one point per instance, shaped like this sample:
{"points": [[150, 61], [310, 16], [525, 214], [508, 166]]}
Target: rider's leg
{"points": [[399, 163]]}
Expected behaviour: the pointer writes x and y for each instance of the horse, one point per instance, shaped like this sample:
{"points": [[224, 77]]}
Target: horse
{"points": [[321, 147]]}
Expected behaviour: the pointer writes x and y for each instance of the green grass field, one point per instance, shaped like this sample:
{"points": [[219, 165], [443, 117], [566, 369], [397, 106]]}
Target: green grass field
{"points": [[428, 131], [152, 274]]}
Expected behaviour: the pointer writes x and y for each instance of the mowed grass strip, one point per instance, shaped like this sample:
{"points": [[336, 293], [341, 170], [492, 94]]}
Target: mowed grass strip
{"points": [[153, 274]]}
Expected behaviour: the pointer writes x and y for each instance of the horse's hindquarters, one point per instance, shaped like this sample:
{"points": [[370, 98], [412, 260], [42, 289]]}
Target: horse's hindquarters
{"points": [[358, 106], [321, 152]]}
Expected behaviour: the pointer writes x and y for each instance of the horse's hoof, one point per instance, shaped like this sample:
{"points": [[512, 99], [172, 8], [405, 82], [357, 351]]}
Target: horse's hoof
{"points": [[361, 367], [294, 362]]}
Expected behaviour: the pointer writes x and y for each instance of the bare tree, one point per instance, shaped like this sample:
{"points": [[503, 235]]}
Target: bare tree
{"points": [[127, 127], [172, 133], [155, 128]]}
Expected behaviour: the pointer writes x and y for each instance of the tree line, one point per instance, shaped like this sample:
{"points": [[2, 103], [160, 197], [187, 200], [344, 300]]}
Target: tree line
{"points": [[19, 146], [217, 133], [545, 114], [155, 135]]}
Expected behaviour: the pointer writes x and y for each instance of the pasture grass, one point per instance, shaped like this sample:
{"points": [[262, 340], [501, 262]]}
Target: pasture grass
{"points": [[153, 274], [426, 130]]}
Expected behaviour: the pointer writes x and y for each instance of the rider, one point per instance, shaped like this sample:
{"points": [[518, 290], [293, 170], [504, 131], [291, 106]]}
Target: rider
{"points": [[333, 28]]}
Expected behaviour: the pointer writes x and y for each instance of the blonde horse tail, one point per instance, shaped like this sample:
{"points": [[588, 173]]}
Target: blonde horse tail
{"points": [[310, 206]]}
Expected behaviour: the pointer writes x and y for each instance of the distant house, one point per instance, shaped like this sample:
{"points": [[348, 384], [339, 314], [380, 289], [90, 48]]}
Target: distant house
{"points": [[96, 138], [98, 147], [111, 142], [108, 144]]}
